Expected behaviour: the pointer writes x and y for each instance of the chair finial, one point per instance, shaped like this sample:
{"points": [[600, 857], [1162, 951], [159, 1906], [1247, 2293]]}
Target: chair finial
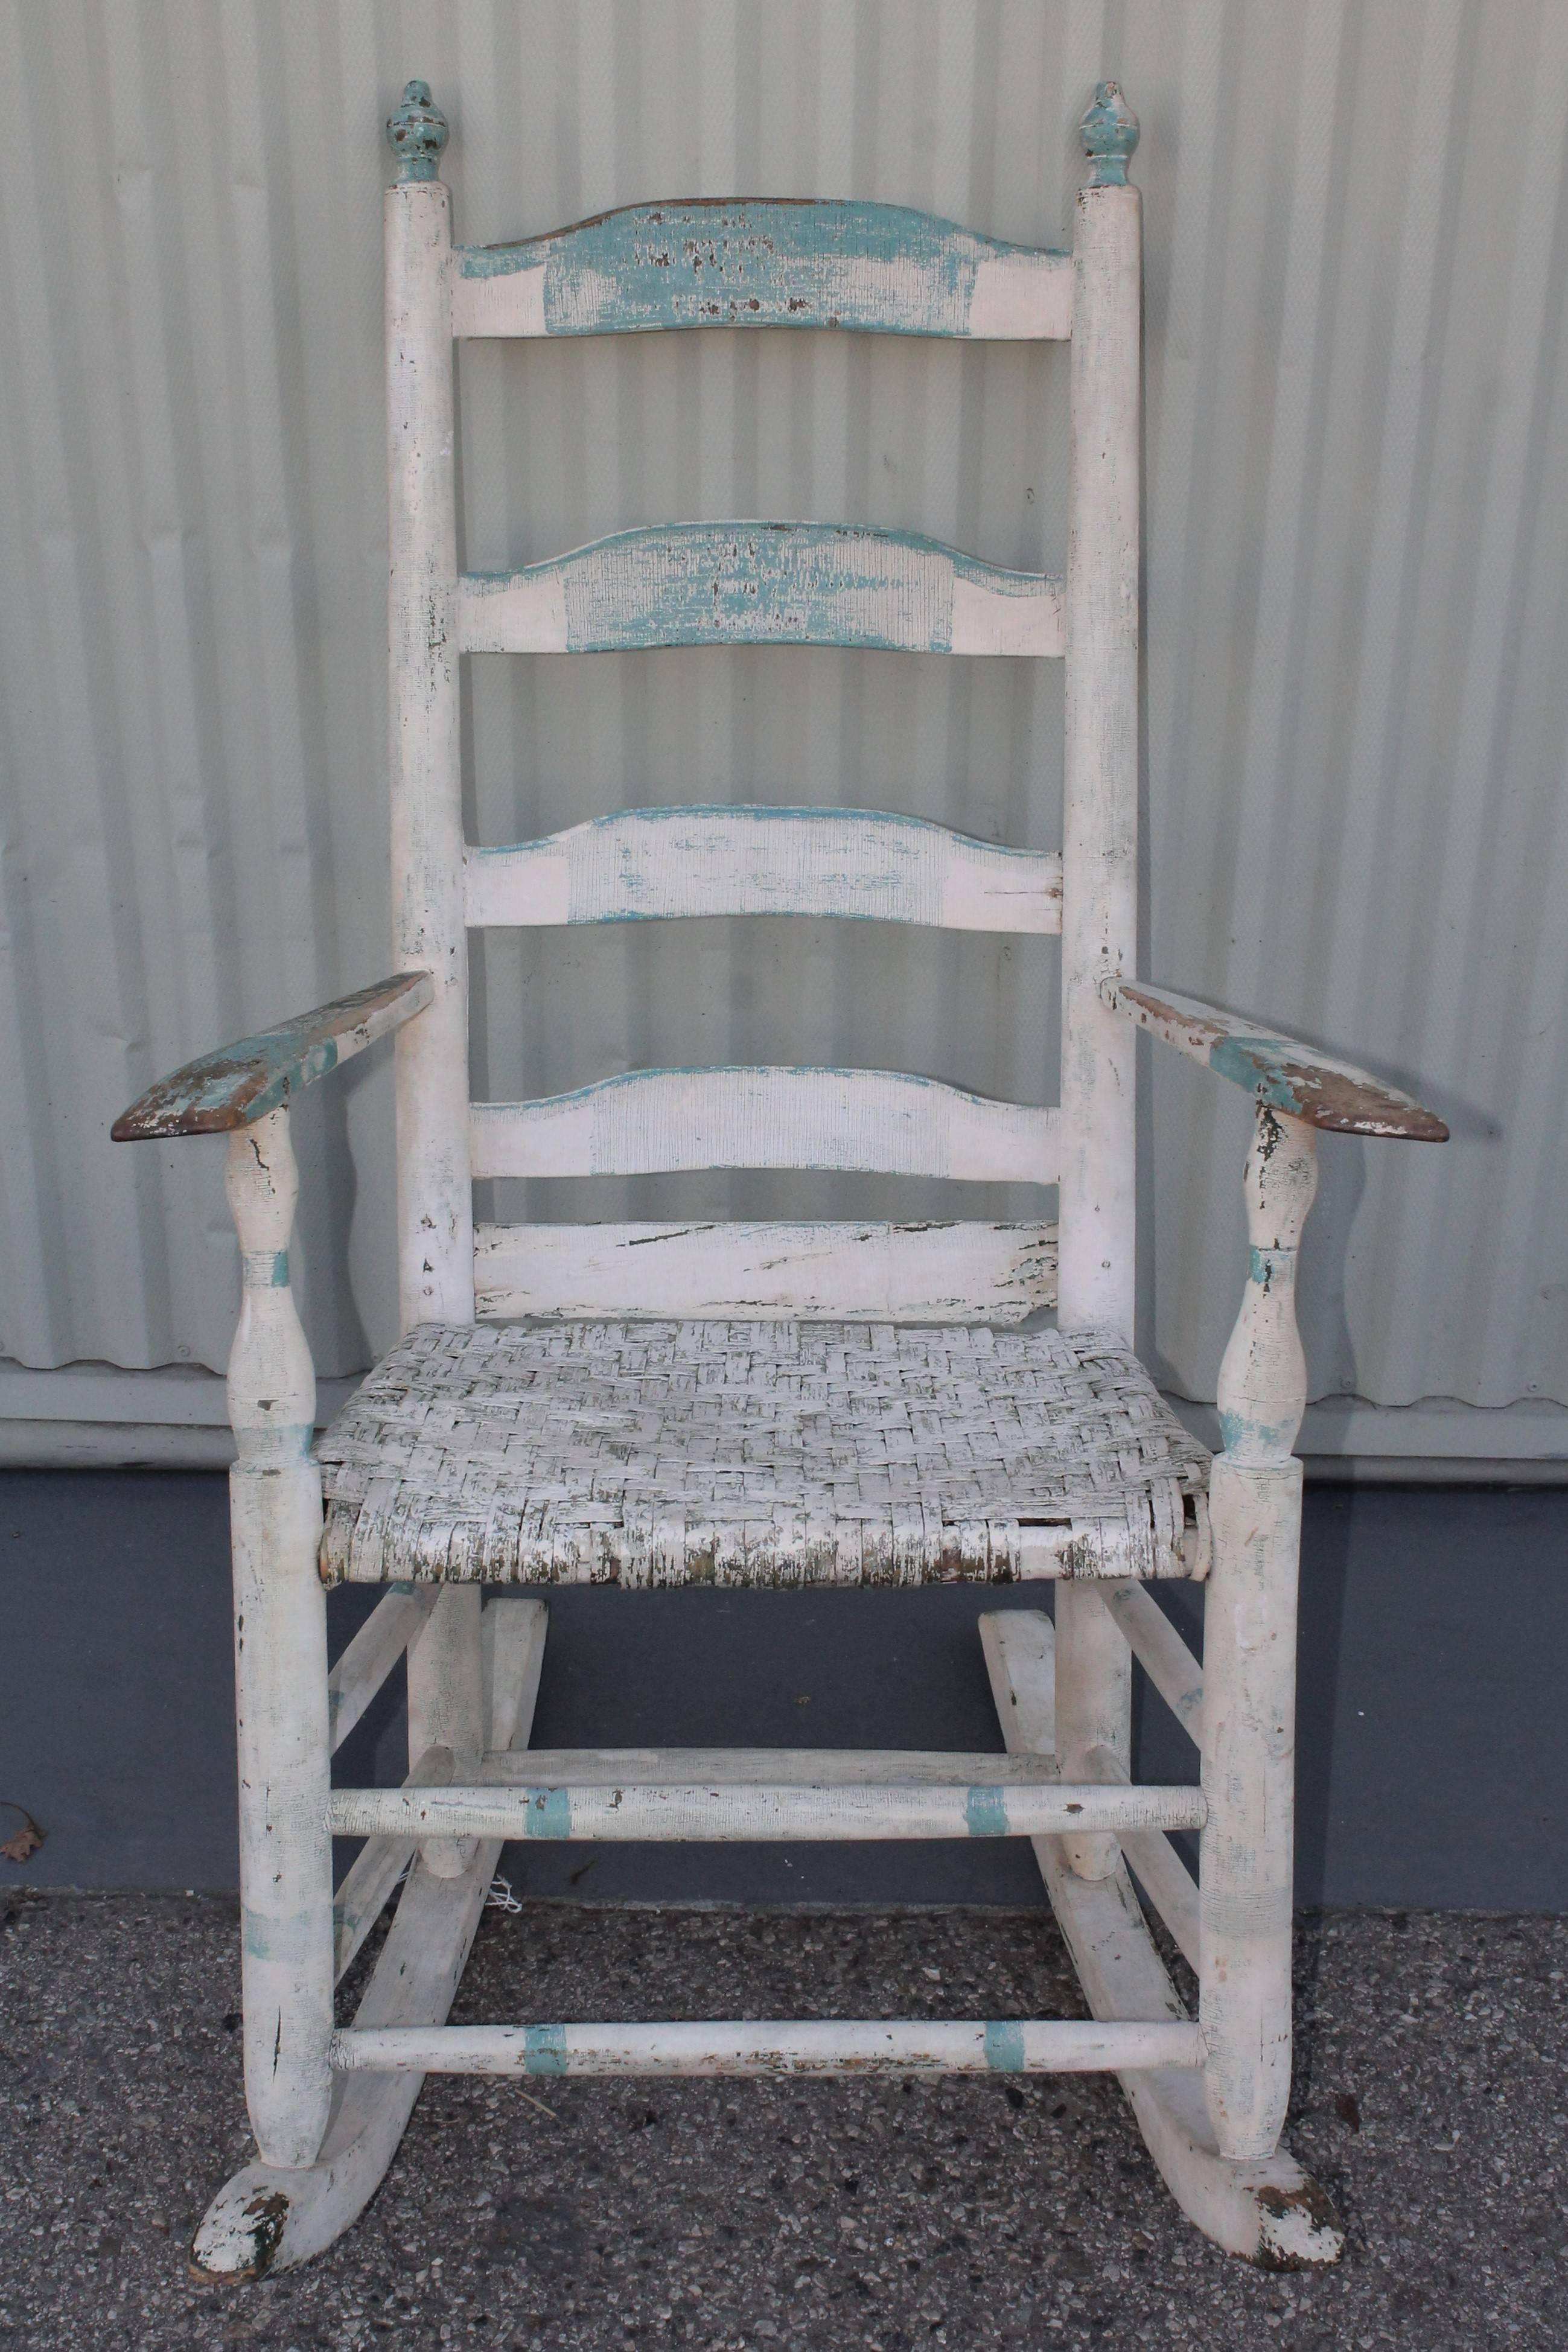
{"points": [[1110, 131], [417, 133]]}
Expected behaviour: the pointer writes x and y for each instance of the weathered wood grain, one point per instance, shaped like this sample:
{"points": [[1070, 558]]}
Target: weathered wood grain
{"points": [[1278, 1070], [245, 1081], [649, 1121], [763, 262], [816, 1271], [644, 863], [758, 584]]}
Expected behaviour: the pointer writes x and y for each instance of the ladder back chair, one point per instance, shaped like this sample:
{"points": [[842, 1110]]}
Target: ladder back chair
{"points": [[788, 1404]]}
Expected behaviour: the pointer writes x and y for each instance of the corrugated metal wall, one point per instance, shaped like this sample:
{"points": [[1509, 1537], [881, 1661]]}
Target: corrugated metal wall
{"points": [[1357, 687]]}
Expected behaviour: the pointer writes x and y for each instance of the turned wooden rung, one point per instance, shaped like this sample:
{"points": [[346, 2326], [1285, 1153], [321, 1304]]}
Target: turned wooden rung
{"points": [[717, 1812], [774, 2046]]}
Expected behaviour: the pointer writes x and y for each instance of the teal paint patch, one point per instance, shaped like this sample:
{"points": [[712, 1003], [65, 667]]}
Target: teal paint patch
{"points": [[1266, 1437], [986, 1814], [549, 1813], [1110, 134], [242, 1082], [1260, 1064], [739, 584], [277, 1274], [1004, 2046], [417, 133], [759, 262], [544, 2049]]}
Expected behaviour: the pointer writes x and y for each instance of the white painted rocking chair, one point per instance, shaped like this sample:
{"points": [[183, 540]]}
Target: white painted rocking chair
{"points": [[702, 1434]]}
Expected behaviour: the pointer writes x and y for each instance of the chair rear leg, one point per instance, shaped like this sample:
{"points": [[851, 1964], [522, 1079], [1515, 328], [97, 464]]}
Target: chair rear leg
{"points": [[285, 1846], [446, 1705], [1093, 1707]]}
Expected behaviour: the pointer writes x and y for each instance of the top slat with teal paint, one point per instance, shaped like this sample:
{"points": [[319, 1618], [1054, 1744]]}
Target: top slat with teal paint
{"points": [[754, 261]]}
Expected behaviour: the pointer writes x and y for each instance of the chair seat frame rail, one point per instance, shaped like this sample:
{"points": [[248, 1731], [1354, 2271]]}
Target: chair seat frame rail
{"points": [[328, 2103]]}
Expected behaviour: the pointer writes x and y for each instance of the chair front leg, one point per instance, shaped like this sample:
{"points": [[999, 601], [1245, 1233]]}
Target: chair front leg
{"points": [[281, 1669], [1247, 1848]]}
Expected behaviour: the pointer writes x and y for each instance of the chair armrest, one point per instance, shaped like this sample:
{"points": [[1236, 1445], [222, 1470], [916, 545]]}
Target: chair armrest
{"points": [[242, 1083], [1275, 1069]]}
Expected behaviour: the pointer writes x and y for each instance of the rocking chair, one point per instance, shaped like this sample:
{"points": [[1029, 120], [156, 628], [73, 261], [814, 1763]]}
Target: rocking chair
{"points": [[753, 1403]]}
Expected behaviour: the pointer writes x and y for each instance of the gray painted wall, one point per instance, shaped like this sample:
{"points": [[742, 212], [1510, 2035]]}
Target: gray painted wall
{"points": [[1357, 689], [1428, 1620]]}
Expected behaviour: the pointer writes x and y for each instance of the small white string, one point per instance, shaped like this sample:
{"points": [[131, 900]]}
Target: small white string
{"points": [[500, 1896]]}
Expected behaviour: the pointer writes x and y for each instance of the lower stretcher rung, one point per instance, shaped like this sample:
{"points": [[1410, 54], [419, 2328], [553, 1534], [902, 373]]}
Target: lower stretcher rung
{"points": [[774, 2046], [717, 1811]]}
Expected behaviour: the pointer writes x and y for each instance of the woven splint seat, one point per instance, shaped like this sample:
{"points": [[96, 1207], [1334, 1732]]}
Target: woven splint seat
{"points": [[649, 1453]]}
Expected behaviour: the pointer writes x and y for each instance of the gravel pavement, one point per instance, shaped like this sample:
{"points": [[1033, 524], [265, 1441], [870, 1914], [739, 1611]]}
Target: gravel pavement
{"points": [[880, 2215]]}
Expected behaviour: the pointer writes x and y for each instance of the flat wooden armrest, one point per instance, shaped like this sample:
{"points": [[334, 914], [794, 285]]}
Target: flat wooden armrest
{"points": [[243, 1082], [1275, 1069]]}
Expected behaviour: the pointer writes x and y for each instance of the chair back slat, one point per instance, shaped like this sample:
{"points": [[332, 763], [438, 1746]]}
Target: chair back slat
{"points": [[734, 860], [850, 265], [819, 1271], [758, 262], [657, 1123], [760, 583]]}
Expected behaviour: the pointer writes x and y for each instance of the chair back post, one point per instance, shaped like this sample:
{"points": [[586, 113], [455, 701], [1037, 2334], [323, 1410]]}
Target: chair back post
{"points": [[434, 1197], [1100, 841]]}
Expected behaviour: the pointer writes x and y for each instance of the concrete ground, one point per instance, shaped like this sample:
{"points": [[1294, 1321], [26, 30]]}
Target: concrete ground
{"points": [[1430, 2101]]}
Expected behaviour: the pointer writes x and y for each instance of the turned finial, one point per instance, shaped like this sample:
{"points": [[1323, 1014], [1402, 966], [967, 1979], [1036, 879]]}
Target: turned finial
{"points": [[1110, 133], [417, 133]]}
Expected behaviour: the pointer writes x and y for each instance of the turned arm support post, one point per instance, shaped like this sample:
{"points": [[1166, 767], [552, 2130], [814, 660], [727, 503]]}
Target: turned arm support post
{"points": [[281, 1666], [1249, 1743]]}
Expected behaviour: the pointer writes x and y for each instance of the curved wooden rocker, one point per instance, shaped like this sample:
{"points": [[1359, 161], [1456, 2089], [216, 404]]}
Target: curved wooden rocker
{"points": [[269, 2217], [1266, 2210]]}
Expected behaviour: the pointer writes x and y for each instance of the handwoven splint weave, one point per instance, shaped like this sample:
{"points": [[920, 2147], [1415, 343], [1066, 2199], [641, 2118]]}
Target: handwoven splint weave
{"points": [[645, 1454]]}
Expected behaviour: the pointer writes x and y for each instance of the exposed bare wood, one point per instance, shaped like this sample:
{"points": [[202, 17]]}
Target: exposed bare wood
{"points": [[243, 1082], [1280, 1070]]}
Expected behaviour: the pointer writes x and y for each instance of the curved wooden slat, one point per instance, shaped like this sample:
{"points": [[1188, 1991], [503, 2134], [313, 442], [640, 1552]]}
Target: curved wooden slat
{"points": [[758, 262], [760, 583], [811, 1272], [1278, 1070], [643, 862], [649, 1122], [243, 1082]]}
